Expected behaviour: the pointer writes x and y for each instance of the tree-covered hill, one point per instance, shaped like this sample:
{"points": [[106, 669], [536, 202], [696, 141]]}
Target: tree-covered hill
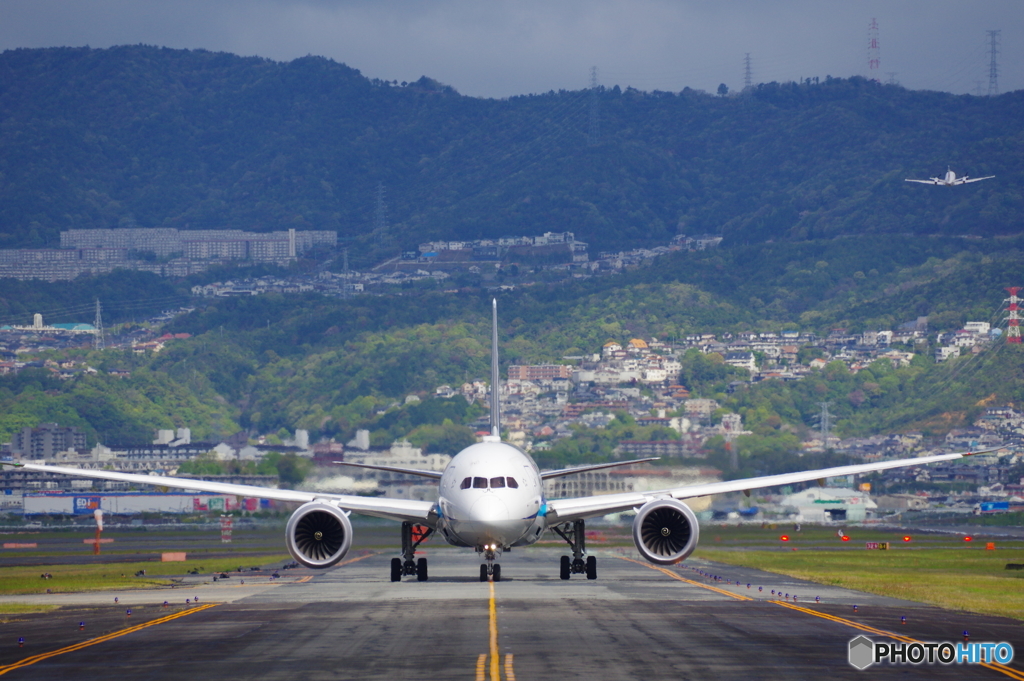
{"points": [[145, 136]]}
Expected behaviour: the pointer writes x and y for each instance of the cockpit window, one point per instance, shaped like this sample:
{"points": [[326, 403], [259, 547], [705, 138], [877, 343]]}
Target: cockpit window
{"points": [[482, 483]]}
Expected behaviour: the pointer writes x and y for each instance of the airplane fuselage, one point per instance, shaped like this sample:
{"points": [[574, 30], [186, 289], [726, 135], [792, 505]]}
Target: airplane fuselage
{"points": [[491, 495]]}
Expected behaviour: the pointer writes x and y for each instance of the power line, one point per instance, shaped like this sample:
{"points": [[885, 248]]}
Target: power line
{"points": [[98, 338], [993, 64], [593, 135]]}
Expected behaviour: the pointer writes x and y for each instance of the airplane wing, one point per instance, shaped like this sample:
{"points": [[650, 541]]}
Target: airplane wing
{"points": [[544, 475], [977, 179], [393, 509], [932, 181], [394, 469], [565, 510]]}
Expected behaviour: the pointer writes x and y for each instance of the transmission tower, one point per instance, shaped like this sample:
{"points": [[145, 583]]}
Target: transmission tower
{"points": [[380, 219], [874, 51], [1013, 320], [595, 129], [97, 340], [892, 78], [825, 423], [993, 64], [746, 71]]}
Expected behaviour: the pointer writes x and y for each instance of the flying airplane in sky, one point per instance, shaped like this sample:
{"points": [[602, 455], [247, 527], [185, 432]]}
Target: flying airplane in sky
{"points": [[951, 179], [491, 497]]}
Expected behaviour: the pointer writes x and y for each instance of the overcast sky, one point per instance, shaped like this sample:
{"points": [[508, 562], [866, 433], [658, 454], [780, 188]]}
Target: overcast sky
{"points": [[498, 48]]}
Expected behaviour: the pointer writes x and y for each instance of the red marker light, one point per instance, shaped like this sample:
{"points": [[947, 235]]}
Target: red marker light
{"points": [[846, 538], [784, 537], [968, 538], [906, 537]]}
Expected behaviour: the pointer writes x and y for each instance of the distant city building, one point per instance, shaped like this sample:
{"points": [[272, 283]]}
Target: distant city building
{"points": [[45, 440], [539, 372], [181, 252]]}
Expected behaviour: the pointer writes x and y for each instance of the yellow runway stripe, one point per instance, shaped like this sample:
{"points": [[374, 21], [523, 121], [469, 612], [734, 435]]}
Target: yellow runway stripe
{"points": [[995, 666], [510, 674], [680, 578], [495, 662], [481, 667], [107, 637]]}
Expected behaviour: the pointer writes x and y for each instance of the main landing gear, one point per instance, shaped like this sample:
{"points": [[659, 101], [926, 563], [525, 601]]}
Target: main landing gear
{"points": [[575, 535], [412, 536], [490, 568]]}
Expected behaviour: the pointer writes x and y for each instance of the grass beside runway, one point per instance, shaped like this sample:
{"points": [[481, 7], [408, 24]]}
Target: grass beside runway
{"points": [[942, 571], [74, 578]]}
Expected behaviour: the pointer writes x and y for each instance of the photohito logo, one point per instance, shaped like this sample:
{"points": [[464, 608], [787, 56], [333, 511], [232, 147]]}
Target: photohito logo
{"points": [[864, 652]]}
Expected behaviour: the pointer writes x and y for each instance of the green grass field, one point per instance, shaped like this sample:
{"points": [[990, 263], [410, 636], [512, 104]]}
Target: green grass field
{"points": [[935, 569], [72, 578]]}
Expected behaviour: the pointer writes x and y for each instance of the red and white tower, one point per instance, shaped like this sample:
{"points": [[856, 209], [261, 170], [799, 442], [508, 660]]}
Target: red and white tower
{"points": [[874, 51], [1013, 320]]}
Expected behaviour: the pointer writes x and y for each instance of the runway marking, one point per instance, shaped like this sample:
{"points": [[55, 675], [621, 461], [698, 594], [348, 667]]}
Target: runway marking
{"points": [[495, 658], [995, 666], [101, 639], [680, 578], [495, 668]]}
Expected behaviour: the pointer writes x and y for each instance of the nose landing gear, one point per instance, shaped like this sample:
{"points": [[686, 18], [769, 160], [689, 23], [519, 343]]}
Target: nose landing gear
{"points": [[490, 568]]}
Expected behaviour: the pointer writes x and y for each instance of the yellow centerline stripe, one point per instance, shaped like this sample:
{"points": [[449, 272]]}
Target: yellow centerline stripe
{"points": [[995, 666], [680, 578], [100, 639], [495, 663]]}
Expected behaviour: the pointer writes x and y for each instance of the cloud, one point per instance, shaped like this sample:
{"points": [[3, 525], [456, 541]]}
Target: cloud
{"points": [[507, 47]]}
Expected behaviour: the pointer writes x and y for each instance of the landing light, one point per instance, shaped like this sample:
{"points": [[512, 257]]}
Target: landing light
{"points": [[846, 538], [968, 538], [784, 537], [906, 537]]}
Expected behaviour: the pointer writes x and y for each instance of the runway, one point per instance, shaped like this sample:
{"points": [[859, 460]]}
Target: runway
{"points": [[350, 622]]}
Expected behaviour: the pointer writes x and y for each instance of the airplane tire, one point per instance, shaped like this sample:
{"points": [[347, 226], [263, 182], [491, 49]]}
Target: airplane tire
{"points": [[421, 570], [591, 567], [483, 572], [396, 569], [564, 572], [496, 574]]}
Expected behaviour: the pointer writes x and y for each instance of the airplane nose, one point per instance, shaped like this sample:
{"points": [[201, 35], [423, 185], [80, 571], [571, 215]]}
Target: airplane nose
{"points": [[489, 509]]}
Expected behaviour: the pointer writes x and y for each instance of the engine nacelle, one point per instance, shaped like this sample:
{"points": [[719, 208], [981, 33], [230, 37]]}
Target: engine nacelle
{"points": [[665, 531], [318, 534]]}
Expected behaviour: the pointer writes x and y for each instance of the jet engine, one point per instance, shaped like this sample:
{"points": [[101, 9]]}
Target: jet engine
{"points": [[318, 534], [665, 531]]}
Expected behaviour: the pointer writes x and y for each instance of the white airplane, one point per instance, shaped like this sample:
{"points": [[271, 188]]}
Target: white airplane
{"points": [[951, 180], [491, 498]]}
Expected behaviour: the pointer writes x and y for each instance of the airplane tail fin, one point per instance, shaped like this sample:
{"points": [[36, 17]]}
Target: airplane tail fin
{"points": [[495, 406]]}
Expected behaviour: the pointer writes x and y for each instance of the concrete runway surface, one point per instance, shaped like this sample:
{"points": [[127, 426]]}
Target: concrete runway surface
{"points": [[351, 622]]}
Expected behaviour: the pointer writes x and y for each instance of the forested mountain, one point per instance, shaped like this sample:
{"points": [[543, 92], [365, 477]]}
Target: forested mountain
{"points": [[145, 136]]}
